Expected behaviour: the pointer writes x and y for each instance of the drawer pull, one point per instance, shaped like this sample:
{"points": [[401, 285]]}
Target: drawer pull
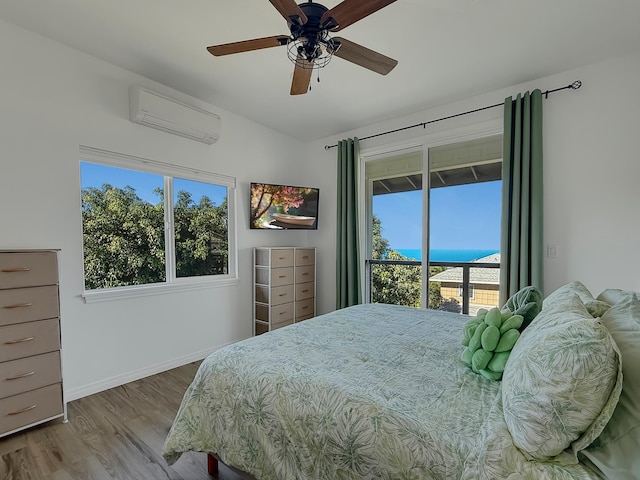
{"points": [[20, 340], [305, 307], [305, 291], [16, 269], [281, 258], [19, 305], [305, 256], [282, 295], [22, 375], [305, 274], [22, 410], [282, 276]]}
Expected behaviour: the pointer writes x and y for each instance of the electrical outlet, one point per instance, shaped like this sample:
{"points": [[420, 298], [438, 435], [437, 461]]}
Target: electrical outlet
{"points": [[552, 251]]}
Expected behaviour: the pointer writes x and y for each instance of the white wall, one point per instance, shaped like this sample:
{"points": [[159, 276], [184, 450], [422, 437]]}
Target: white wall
{"points": [[591, 171], [53, 99]]}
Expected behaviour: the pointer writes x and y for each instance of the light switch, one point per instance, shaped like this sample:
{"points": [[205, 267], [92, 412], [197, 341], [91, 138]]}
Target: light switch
{"points": [[552, 251]]}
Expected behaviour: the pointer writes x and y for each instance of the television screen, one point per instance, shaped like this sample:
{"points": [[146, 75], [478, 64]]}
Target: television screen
{"points": [[283, 207]]}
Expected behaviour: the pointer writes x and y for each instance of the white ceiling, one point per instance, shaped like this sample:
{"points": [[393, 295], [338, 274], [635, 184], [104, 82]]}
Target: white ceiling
{"points": [[446, 49]]}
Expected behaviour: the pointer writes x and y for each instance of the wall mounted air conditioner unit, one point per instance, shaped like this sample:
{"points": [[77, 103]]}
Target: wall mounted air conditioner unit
{"points": [[158, 111]]}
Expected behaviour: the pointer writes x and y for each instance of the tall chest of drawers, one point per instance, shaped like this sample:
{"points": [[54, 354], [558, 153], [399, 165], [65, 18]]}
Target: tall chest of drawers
{"points": [[284, 286], [30, 346]]}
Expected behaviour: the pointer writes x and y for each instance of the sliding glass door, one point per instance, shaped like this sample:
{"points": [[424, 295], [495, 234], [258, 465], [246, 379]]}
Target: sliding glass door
{"points": [[464, 224], [395, 233], [435, 243]]}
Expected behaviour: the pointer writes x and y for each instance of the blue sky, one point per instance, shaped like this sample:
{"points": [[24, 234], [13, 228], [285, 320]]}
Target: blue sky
{"points": [[94, 175], [465, 217]]}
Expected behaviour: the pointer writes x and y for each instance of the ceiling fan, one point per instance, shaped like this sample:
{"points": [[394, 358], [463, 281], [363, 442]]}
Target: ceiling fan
{"points": [[310, 46]]}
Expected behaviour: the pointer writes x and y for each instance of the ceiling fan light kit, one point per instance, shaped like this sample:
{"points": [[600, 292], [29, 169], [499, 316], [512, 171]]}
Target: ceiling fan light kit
{"points": [[310, 45]]}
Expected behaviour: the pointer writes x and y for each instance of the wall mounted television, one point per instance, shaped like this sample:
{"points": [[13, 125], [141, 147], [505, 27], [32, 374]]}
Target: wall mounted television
{"points": [[283, 207]]}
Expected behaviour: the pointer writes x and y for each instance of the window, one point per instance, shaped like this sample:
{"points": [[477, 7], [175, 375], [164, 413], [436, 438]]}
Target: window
{"points": [[472, 290], [154, 225]]}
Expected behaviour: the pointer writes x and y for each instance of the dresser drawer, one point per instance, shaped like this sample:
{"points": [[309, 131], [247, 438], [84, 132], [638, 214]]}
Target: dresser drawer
{"points": [[29, 373], [305, 256], [30, 407], [281, 313], [282, 258], [280, 295], [305, 274], [31, 338], [277, 313], [281, 276], [305, 290], [19, 305], [305, 308], [28, 269]]}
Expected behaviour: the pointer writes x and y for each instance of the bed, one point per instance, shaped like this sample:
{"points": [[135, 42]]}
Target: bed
{"points": [[379, 392]]}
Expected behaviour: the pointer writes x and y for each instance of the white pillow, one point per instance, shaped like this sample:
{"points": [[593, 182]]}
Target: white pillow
{"points": [[615, 451], [561, 383], [614, 296]]}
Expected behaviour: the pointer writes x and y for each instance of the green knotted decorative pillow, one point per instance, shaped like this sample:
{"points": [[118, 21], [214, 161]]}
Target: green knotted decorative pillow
{"points": [[526, 302], [488, 340]]}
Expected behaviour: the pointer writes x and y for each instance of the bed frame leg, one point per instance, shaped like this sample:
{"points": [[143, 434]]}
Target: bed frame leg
{"points": [[212, 464]]}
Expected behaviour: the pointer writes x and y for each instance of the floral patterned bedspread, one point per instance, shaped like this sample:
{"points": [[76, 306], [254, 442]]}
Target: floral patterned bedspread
{"points": [[367, 392]]}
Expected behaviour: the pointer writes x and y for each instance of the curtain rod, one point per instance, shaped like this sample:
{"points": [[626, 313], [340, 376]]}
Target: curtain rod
{"points": [[573, 86]]}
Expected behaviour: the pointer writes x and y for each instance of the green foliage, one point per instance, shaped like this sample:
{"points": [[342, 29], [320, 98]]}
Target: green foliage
{"points": [[124, 241], [201, 236], [398, 284]]}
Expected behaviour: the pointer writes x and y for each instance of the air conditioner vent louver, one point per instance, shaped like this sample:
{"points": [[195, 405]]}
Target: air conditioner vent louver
{"points": [[169, 115]]}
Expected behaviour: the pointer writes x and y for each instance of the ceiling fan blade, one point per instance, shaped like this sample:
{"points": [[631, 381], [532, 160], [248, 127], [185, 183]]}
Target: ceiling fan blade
{"points": [[301, 77], [248, 45], [350, 11], [290, 10], [352, 52]]}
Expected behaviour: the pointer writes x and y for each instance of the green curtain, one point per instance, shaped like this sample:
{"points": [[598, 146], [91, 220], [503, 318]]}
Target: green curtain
{"points": [[521, 244], [348, 281]]}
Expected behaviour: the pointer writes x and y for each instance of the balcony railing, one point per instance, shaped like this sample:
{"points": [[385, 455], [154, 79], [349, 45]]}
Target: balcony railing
{"points": [[465, 281]]}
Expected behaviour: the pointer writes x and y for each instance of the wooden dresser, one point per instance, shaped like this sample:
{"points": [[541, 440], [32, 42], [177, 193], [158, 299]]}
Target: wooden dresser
{"points": [[284, 290], [30, 364]]}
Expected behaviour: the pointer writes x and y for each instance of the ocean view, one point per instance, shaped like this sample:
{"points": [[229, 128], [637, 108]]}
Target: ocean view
{"points": [[446, 255]]}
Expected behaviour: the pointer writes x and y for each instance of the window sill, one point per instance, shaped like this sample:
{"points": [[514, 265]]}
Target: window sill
{"points": [[121, 293]]}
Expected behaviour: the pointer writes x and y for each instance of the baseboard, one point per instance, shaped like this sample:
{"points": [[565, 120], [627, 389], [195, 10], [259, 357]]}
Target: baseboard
{"points": [[106, 384]]}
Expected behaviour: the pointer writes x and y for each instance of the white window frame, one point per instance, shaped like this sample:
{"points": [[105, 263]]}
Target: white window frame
{"points": [[172, 283]]}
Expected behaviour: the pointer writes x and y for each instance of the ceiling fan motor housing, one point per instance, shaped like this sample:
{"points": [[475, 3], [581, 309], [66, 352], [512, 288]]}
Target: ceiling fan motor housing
{"points": [[312, 34]]}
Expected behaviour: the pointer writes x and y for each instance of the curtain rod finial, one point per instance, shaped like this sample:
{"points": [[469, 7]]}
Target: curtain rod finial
{"points": [[576, 85]]}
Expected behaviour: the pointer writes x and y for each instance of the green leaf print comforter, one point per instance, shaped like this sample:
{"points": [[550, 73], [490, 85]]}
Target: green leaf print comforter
{"points": [[367, 392]]}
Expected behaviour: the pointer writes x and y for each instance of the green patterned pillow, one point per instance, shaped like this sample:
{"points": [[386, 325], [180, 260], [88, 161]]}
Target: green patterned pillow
{"points": [[562, 383], [564, 294]]}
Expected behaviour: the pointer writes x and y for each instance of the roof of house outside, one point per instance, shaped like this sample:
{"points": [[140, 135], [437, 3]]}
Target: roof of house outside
{"points": [[486, 276]]}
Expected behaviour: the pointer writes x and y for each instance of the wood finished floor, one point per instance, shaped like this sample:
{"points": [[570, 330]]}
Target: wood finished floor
{"points": [[115, 434]]}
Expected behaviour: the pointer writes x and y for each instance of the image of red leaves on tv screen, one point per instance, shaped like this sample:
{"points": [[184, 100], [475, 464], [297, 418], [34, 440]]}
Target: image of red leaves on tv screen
{"points": [[283, 207]]}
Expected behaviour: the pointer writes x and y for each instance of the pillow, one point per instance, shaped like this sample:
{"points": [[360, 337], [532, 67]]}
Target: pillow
{"points": [[526, 302], [613, 296], [488, 339], [566, 292], [561, 384], [615, 451], [595, 307]]}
